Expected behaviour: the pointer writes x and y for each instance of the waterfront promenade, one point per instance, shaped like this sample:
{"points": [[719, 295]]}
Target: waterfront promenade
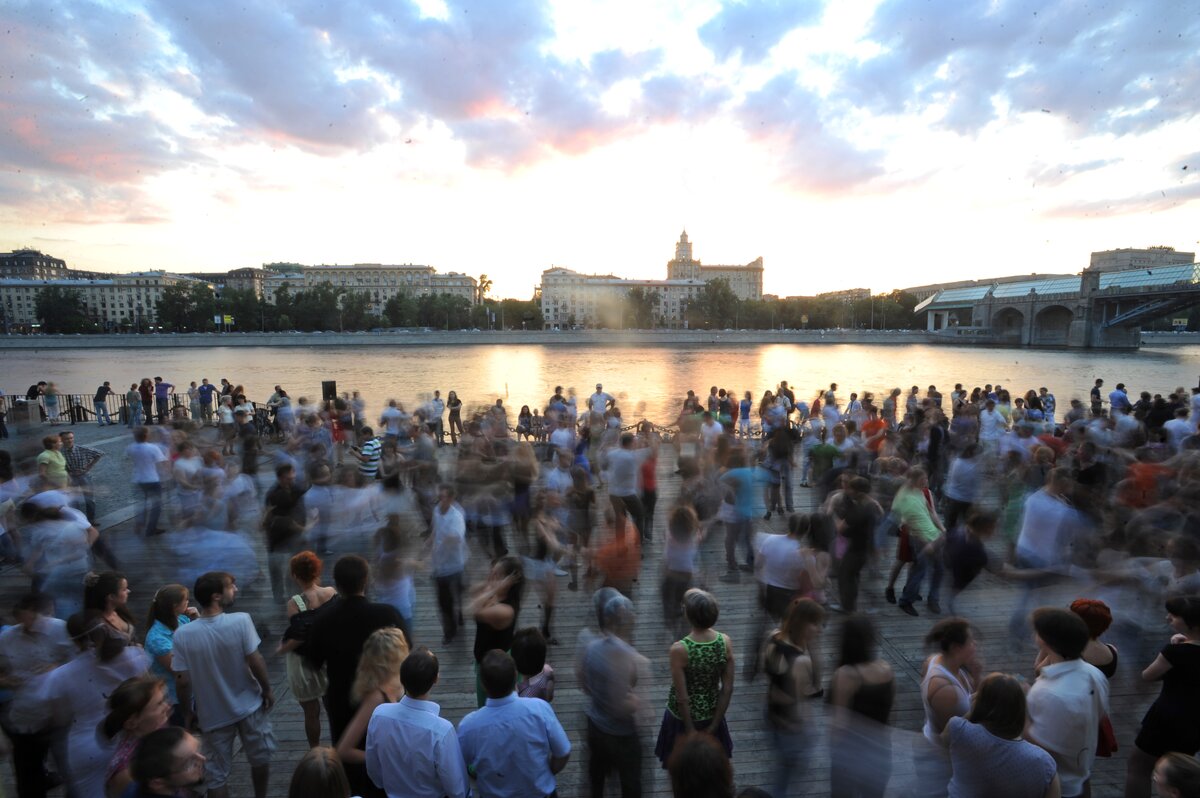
{"points": [[987, 604]]}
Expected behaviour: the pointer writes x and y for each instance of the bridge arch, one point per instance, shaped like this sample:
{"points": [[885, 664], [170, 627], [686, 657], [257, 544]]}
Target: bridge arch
{"points": [[1052, 326], [1008, 322]]}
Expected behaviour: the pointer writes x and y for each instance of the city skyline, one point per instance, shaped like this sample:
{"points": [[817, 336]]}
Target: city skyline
{"points": [[912, 142]]}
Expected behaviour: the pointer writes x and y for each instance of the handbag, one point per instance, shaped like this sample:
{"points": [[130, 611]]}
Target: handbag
{"points": [[1106, 743]]}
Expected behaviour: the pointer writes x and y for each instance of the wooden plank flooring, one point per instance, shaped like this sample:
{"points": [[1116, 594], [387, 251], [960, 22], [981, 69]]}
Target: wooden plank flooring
{"points": [[988, 604]]}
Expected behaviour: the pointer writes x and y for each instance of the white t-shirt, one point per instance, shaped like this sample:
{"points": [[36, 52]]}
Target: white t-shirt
{"points": [[1177, 429], [781, 559], [710, 432], [991, 425], [1065, 706], [213, 652], [224, 414], [623, 466], [145, 457], [598, 401]]}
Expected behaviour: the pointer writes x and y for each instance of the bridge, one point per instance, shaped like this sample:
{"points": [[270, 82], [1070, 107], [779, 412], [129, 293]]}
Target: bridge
{"points": [[1094, 310]]}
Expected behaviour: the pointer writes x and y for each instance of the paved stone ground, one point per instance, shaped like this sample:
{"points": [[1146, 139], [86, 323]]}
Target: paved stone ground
{"points": [[988, 604]]}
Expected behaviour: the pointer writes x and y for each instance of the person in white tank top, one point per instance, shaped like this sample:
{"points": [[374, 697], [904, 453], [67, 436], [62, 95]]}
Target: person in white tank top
{"points": [[949, 681]]}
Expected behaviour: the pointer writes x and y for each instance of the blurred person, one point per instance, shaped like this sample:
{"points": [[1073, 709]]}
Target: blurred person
{"points": [[702, 674], [739, 482], [306, 682], [73, 698], [987, 755], [30, 650], [167, 763], [1177, 775], [80, 460], [1068, 699], [376, 683], [217, 660], [448, 559], [949, 680], [136, 708], [680, 553], [623, 466], [608, 672], [913, 508], [411, 749], [148, 464], [59, 541], [495, 606], [795, 679], [700, 768], [857, 516], [966, 554], [284, 520], [319, 774], [1049, 527], [1173, 721], [514, 746], [861, 691]]}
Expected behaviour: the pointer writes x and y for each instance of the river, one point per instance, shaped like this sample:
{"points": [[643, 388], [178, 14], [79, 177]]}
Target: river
{"points": [[649, 381]]}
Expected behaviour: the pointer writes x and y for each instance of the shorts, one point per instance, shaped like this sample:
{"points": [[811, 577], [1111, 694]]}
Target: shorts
{"points": [[258, 741]]}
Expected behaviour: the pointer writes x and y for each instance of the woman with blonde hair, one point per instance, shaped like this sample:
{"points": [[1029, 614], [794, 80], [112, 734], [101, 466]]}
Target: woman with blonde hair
{"points": [[376, 682]]}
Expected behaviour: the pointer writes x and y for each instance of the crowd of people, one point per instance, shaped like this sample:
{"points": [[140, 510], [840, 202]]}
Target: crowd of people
{"points": [[1102, 500]]}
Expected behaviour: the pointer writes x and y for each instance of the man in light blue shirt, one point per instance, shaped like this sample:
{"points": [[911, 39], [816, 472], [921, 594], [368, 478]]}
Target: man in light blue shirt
{"points": [[512, 746], [412, 752]]}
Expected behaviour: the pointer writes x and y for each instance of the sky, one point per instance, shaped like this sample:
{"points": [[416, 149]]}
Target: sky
{"points": [[872, 143]]}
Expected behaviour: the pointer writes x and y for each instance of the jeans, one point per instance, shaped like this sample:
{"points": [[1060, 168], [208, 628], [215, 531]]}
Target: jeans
{"points": [[147, 521], [792, 750], [279, 563], [609, 752], [924, 555], [29, 757], [85, 497], [102, 416], [785, 484], [164, 409], [1018, 624]]}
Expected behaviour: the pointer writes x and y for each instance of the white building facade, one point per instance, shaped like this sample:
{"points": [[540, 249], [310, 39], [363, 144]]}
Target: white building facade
{"points": [[123, 300], [381, 282], [571, 299]]}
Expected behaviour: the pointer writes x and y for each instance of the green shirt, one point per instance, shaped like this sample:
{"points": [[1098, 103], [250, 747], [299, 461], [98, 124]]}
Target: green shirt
{"points": [[702, 675], [56, 467], [913, 511]]}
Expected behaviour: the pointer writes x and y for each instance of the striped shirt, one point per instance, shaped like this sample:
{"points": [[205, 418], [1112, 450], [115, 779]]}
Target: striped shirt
{"points": [[368, 466]]}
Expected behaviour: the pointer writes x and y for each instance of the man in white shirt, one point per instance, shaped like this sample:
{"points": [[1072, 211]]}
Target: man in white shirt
{"points": [[413, 752], [390, 419], [710, 431], [599, 401], [623, 466], [1049, 526], [1179, 428], [147, 460], [1068, 699], [448, 559], [991, 426], [437, 409], [217, 658]]}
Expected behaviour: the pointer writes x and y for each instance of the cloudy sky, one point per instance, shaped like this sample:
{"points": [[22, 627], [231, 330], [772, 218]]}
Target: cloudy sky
{"points": [[851, 143]]}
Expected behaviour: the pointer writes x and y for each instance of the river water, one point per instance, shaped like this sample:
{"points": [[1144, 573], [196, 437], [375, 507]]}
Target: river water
{"points": [[649, 381]]}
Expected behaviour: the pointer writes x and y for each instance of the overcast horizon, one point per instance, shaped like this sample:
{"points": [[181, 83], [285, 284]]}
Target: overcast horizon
{"points": [[879, 144]]}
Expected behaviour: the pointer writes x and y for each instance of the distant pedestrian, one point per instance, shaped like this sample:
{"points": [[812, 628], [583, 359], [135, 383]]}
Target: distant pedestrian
{"points": [[100, 404], [162, 398]]}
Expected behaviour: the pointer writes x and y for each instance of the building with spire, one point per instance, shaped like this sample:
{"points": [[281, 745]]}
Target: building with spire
{"points": [[570, 299], [746, 281]]}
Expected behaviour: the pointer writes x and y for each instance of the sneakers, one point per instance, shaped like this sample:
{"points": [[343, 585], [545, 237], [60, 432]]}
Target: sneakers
{"points": [[910, 609]]}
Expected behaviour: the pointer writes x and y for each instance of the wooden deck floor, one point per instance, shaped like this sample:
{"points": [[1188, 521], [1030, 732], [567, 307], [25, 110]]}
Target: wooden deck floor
{"points": [[988, 604]]}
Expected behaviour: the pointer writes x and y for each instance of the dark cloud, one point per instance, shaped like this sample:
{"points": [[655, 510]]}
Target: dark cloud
{"points": [[1102, 66], [754, 27], [787, 117], [70, 78]]}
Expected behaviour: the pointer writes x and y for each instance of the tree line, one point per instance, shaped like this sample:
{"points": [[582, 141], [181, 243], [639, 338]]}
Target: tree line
{"points": [[195, 308]]}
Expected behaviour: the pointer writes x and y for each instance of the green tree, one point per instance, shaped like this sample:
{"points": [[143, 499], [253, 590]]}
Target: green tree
{"points": [[521, 314], [62, 310], [715, 307], [641, 305], [485, 287], [356, 311], [315, 308], [248, 311], [174, 307], [401, 310], [443, 311]]}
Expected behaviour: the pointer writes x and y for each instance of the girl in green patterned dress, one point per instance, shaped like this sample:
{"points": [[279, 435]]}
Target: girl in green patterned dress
{"points": [[701, 679]]}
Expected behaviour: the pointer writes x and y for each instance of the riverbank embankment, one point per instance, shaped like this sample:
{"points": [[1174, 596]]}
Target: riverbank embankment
{"points": [[607, 338]]}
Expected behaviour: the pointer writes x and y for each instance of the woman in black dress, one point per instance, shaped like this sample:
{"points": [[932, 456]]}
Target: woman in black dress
{"points": [[1173, 722], [495, 607]]}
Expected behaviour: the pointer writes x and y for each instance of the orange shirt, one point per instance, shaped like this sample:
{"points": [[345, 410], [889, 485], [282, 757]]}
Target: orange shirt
{"points": [[872, 427]]}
